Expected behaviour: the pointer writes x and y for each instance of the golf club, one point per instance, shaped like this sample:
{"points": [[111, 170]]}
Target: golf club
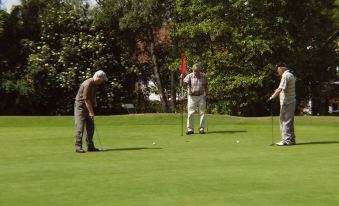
{"points": [[271, 111], [98, 136], [206, 115]]}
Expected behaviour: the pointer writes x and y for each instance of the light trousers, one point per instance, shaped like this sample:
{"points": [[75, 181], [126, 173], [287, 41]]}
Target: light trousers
{"points": [[195, 102], [287, 122]]}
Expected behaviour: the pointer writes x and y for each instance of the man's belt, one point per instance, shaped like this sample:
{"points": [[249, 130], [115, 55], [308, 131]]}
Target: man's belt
{"points": [[196, 95]]}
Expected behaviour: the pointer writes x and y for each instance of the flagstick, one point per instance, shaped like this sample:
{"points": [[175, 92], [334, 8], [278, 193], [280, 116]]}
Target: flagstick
{"points": [[182, 71], [182, 108]]}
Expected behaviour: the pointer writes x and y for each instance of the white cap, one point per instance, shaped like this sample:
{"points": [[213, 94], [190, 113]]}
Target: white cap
{"points": [[100, 74]]}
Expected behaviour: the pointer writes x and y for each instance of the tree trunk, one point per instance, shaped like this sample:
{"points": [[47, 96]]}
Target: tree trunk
{"points": [[173, 92], [151, 48]]}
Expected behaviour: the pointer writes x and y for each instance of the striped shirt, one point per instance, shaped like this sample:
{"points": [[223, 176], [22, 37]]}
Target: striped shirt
{"points": [[196, 85], [287, 84]]}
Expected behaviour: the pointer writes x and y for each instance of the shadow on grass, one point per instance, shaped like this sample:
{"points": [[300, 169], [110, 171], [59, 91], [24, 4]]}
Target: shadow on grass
{"points": [[320, 142], [226, 131], [128, 149]]}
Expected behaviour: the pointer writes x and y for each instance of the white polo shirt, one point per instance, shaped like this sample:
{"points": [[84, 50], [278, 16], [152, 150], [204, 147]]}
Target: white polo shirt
{"points": [[287, 84]]}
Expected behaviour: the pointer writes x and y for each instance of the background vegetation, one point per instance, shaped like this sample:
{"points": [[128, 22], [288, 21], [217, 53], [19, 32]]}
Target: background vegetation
{"points": [[48, 47]]}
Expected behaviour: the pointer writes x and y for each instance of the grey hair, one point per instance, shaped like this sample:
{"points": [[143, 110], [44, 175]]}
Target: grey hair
{"points": [[196, 67], [100, 75]]}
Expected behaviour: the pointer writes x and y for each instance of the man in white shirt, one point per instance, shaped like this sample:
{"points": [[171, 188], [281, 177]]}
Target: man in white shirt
{"points": [[286, 91]]}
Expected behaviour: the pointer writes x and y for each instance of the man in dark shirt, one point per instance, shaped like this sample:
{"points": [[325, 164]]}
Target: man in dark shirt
{"points": [[85, 101]]}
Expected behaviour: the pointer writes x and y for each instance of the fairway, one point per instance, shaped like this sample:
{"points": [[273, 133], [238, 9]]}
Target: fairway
{"points": [[38, 165]]}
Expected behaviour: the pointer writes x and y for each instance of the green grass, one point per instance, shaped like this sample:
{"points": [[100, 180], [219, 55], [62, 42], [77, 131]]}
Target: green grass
{"points": [[38, 165]]}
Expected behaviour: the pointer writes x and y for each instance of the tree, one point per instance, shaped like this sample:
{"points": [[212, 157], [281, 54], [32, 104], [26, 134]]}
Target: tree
{"points": [[240, 41], [68, 54], [2, 21], [49, 47], [13, 90], [229, 41], [21, 29], [310, 24], [141, 19]]}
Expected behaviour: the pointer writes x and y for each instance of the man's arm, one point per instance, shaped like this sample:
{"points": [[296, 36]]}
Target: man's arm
{"points": [[90, 108], [184, 80], [181, 76], [282, 85], [276, 93]]}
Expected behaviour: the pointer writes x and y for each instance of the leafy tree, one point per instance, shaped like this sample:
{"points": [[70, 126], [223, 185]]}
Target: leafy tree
{"points": [[239, 41], [49, 47], [13, 90], [20, 31], [141, 19], [230, 42], [68, 54], [30, 12], [310, 24], [59, 59], [2, 21]]}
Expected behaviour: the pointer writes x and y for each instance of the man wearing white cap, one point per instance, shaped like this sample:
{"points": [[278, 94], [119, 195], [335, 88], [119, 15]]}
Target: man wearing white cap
{"points": [[85, 101]]}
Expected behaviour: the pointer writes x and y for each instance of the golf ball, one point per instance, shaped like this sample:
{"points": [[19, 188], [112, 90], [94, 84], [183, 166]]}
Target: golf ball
{"points": [[237, 141], [153, 142]]}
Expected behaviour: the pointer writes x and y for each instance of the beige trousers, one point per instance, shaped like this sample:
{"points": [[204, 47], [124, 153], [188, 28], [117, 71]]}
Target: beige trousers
{"points": [[196, 102]]}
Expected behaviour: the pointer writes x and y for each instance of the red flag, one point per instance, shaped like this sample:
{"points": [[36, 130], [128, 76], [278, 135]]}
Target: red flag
{"points": [[183, 65]]}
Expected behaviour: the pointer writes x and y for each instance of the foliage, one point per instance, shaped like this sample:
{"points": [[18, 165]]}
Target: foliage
{"points": [[13, 89], [239, 42], [142, 20], [68, 54], [49, 47]]}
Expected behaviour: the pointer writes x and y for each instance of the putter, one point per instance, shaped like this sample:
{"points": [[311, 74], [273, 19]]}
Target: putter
{"points": [[96, 131], [271, 122], [206, 116]]}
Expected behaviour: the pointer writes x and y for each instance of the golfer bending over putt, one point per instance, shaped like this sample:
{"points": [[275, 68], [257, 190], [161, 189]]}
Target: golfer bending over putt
{"points": [[197, 87], [85, 101]]}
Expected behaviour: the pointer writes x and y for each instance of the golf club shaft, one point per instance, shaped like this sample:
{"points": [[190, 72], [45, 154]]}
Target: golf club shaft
{"points": [[98, 136], [206, 116], [272, 121]]}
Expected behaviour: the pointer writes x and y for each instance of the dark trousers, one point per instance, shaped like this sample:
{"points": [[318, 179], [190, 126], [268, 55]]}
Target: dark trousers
{"points": [[83, 124]]}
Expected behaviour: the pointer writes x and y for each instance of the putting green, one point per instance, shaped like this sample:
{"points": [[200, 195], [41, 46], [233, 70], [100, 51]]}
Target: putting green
{"points": [[38, 165]]}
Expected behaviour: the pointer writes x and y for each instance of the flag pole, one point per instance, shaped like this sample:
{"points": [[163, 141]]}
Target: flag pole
{"points": [[182, 108], [182, 71]]}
